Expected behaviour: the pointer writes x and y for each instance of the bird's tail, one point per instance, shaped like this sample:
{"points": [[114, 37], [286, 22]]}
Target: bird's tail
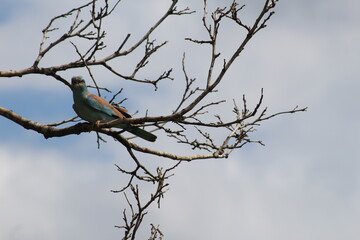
{"points": [[141, 133]]}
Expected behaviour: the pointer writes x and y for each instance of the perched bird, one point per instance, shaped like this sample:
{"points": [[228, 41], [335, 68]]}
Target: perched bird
{"points": [[95, 109]]}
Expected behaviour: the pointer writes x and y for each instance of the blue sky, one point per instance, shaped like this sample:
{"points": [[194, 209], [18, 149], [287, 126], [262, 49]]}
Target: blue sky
{"points": [[304, 184]]}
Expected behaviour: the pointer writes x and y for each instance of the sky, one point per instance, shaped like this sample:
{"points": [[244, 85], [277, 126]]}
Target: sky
{"points": [[303, 184]]}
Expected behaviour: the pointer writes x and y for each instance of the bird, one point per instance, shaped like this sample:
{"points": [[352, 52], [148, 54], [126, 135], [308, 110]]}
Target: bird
{"points": [[95, 109]]}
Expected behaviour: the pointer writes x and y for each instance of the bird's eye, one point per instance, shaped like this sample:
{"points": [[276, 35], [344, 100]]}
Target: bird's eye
{"points": [[77, 81]]}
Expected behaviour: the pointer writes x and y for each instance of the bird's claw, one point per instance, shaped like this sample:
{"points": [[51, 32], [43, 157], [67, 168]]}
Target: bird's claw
{"points": [[97, 123]]}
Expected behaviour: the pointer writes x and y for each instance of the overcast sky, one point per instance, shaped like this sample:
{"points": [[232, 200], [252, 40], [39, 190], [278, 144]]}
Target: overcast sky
{"points": [[304, 184]]}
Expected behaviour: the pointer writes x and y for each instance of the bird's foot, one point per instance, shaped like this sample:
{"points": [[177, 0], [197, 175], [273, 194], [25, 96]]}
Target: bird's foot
{"points": [[97, 123]]}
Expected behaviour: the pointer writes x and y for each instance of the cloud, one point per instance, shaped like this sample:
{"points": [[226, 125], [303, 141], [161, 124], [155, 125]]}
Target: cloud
{"points": [[46, 195], [273, 195]]}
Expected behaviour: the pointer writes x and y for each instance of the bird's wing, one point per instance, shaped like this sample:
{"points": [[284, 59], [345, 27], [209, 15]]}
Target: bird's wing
{"points": [[123, 111], [102, 105]]}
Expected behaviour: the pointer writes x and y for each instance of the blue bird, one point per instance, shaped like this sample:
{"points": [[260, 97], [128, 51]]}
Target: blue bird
{"points": [[95, 109]]}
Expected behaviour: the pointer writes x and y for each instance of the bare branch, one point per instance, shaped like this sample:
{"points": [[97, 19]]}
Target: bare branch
{"points": [[194, 121], [73, 119]]}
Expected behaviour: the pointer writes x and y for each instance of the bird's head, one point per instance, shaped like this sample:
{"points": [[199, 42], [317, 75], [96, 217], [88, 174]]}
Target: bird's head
{"points": [[77, 82]]}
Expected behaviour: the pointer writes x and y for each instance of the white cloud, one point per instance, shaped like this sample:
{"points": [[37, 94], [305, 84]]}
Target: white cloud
{"points": [[263, 197], [45, 195]]}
